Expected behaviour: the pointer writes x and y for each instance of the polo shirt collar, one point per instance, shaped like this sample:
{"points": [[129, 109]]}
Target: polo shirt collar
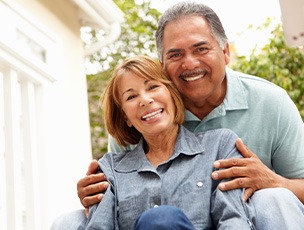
{"points": [[235, 98]]}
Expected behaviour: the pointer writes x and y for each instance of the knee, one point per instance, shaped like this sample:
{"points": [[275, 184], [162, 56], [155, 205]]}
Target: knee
{"points": [[70, 220], [276, 208], [158, 215], [274, 194], [279, 198]]}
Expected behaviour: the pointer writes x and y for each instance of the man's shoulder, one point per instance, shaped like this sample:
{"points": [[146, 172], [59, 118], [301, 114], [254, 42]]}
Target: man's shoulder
{"points": [[253, 81], [254, 87], [216, 134]]}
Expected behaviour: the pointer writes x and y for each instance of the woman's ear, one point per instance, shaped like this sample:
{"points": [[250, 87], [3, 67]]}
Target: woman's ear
{"points": [[128, 122]]}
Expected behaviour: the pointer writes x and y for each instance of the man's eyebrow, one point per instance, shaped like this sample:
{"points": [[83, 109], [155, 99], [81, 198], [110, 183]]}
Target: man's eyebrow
{"points": [[173, 51], [179, 50], [199, 44]]}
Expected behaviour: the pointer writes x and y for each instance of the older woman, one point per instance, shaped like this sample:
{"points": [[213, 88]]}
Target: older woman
{"points": [[169, 170]]}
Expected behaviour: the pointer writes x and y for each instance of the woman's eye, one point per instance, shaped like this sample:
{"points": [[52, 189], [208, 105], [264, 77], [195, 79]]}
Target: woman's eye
{"points": [[130, 97], [153, 87]]}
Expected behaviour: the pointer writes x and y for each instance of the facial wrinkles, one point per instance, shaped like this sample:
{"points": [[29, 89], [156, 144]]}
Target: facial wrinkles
{"points": [[138, 108]]}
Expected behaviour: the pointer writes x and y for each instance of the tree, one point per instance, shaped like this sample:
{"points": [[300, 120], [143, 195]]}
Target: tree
{"points": [[137, 37], [277, 63]]}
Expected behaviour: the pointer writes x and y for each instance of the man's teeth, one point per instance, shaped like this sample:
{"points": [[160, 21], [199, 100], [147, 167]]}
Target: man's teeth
{"points": [[193, 78], [152, 115]]}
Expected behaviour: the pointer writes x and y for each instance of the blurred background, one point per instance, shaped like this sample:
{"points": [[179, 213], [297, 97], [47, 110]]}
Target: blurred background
{"points": [[56, 57]]}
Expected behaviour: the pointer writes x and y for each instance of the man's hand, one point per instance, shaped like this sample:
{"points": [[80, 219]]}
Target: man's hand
{"points": [[249, 173], [90, 188]]}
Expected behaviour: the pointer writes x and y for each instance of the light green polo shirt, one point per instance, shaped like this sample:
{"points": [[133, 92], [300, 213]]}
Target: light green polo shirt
{"points": [[263, 115]]}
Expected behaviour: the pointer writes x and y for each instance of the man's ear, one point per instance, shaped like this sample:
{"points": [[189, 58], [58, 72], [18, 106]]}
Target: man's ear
{"points": [[161, 63], [226, 51]]}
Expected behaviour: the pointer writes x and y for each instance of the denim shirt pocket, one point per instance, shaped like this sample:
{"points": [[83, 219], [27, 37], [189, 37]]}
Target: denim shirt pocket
{"points": [[130, 209], [194, 199]]}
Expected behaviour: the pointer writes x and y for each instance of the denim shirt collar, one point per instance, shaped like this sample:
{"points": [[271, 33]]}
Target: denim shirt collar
{"points": [[136, 160]]}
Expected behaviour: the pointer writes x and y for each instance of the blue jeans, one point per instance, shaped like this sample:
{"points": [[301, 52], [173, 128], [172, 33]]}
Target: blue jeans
{"points": [[75, 220], [163, 217], [274, 208]]}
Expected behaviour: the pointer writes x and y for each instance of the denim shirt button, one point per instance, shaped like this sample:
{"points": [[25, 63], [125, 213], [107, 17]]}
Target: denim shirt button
{"points": [[199, 184], [155, 206]]}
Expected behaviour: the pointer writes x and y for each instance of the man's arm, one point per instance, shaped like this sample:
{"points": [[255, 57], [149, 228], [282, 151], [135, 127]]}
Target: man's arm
{"points": [[90, 189], [252, 174]]}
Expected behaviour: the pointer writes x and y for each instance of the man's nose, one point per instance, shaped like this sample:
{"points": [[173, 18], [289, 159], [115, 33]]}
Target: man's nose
{"points": [[190, 62]]}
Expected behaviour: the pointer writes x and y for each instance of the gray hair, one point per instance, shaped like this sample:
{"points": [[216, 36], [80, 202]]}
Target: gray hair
{"points": [[183, 9]]}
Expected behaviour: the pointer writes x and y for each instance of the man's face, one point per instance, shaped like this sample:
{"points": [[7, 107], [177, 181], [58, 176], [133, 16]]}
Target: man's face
{"points": [[193, 60]]}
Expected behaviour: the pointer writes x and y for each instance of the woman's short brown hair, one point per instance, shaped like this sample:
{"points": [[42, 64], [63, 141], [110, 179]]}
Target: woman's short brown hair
{"points": [[110, 101]]}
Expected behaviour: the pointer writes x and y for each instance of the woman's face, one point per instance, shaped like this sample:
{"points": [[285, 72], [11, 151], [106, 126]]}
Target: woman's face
{"points": [[147, 104]]}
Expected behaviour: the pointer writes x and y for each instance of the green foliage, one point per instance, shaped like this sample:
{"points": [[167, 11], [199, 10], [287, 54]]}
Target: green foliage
{"points": [[137, 37], [137, 34], [279, 64], [95, 84]]}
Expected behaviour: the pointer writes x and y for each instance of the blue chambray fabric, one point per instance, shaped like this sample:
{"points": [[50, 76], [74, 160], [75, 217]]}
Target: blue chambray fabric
{"points": [[183, 181]]}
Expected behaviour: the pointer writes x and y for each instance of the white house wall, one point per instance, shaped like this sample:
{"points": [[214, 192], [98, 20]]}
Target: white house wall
{"points": [[60, 148]]}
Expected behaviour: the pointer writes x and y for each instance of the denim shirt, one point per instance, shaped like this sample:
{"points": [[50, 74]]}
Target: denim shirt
{"points": [[183, 181]]}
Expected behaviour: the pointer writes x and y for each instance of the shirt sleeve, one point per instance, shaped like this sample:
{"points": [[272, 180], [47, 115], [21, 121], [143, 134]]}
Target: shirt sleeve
{"points": [[228, 210], [288, 154], [103, 215]]}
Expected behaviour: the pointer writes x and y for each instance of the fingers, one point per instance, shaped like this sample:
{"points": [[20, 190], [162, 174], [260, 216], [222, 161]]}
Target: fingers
{"points": [[228, 173], [86, 212], [92, 169], [89, 188], [91, 200], [248, 193], [235, 184], [93, 194], [243, 148], [232, 162], [91, 179]]}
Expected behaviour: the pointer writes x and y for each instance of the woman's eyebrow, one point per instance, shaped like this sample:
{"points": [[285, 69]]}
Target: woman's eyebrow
{"points": [[128, 90]]}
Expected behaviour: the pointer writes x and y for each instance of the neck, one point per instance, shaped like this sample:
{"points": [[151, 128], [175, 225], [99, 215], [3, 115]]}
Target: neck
{"points": [[204, 106], [161, 147]]}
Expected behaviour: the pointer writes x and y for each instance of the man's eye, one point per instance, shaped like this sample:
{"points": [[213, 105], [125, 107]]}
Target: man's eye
{"points": [[201, 49], [175, 55]]}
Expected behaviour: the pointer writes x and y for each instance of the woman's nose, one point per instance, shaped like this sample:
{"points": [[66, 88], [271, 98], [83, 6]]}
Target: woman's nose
{"points": [[145, 100]]}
